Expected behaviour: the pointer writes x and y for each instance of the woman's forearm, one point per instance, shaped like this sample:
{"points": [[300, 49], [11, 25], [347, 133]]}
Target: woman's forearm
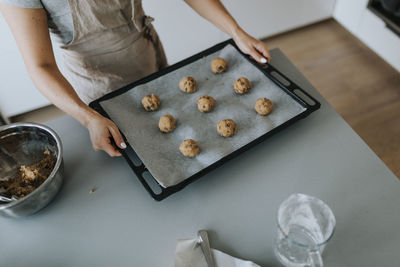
{"points": [[52, 84], [30, 30], [215, 12]]}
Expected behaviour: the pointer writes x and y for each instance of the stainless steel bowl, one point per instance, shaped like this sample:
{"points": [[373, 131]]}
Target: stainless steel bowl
{"points": [[26, 142]]}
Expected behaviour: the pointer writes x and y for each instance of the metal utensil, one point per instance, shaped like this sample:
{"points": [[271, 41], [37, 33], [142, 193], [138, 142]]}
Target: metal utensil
{"points": [[205, 247], [8, 165], [6, 199]]}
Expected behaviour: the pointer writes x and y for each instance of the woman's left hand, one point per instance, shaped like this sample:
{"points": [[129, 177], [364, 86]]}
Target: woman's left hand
{"points": [[252, 46]]}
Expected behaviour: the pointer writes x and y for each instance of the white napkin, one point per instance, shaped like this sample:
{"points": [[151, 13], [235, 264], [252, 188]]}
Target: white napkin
{"points": [[189, 254]]}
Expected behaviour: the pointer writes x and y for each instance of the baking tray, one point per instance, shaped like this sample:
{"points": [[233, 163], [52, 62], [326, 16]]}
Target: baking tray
{"points": [[154, 156]]}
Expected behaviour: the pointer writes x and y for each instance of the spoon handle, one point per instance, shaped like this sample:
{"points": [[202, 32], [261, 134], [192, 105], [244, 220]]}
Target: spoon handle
{"points": [[6, 199], [205, 247]]}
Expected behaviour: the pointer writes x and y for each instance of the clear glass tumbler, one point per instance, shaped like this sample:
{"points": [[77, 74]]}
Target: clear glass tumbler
{"points": [[305, 225]]}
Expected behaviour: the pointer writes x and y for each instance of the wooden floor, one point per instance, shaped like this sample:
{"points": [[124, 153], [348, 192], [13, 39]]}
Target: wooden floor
{"points": [[363, 88]]}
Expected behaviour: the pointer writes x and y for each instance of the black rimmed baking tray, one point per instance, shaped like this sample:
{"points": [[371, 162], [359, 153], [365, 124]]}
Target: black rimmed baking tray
{"points": [[154, 156]]}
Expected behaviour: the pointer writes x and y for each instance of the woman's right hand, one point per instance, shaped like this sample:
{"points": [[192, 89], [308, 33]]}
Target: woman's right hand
{"points": [[101, 131]]}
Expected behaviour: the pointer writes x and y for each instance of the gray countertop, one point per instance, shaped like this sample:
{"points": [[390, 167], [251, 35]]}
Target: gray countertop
{"points": [[121, 225]]}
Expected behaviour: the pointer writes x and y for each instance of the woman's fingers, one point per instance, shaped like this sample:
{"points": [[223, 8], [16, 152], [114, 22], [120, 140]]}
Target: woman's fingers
{"points": [[253, 47], [116, 135], [101, 131], [110, 149], [104, 143], [263, 50], [256, 55]]}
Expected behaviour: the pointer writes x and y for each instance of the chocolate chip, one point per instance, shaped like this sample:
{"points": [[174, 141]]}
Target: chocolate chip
{"points": [[228, 125], [148, 107]]}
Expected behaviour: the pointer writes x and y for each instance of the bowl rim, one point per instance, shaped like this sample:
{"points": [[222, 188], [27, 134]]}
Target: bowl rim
{"points": [[56, 166]]}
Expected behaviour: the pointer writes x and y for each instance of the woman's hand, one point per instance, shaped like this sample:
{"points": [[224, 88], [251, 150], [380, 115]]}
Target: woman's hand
{"points": [[252, 46], [215, 12], [101, 130]]}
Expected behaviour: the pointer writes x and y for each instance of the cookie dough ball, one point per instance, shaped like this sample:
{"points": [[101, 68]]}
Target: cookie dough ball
{"points": [[227, 128], [219, 65], [242, 86], [188, 84], [263, 106], [167, 123], [151, 102], [189, 148], [205, 103]]}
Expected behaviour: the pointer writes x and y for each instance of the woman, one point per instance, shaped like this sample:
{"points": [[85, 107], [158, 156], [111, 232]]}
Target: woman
{"points": [[106, 45]]}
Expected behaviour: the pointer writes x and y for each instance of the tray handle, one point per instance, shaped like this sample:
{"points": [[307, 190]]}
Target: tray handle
{"points": [[283, 81], [140, 171], [294, 90]]}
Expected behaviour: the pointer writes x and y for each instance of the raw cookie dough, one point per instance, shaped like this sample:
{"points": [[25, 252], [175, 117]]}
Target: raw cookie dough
{"points": [[242, 86], [263, 106], [189, 148], [205, 103], [227, 128], [167, 123], [151, 102], [29, 177], [218, 65], [188, 84]]}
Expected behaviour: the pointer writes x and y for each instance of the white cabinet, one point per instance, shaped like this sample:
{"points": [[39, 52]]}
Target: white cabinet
{"points": [[370, 29], [182, 31]]}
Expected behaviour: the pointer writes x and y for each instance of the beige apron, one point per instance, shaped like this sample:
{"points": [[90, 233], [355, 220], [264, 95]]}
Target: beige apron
{"points": [[114, 44]]}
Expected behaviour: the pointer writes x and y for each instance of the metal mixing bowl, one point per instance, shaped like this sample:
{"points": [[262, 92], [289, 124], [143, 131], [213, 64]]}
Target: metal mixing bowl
{"points": [[25, 143]]}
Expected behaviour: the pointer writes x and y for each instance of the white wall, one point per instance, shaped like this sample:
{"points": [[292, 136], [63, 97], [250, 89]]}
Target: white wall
{"points": [[370, 29], [17, 93], [182, 31]]}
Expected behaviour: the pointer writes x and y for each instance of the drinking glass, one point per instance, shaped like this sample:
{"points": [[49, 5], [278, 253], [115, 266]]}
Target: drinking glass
{"points": [[305, 225]]}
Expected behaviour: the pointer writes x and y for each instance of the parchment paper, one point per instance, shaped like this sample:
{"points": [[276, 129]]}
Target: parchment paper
{"points": [[160, 152]]}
